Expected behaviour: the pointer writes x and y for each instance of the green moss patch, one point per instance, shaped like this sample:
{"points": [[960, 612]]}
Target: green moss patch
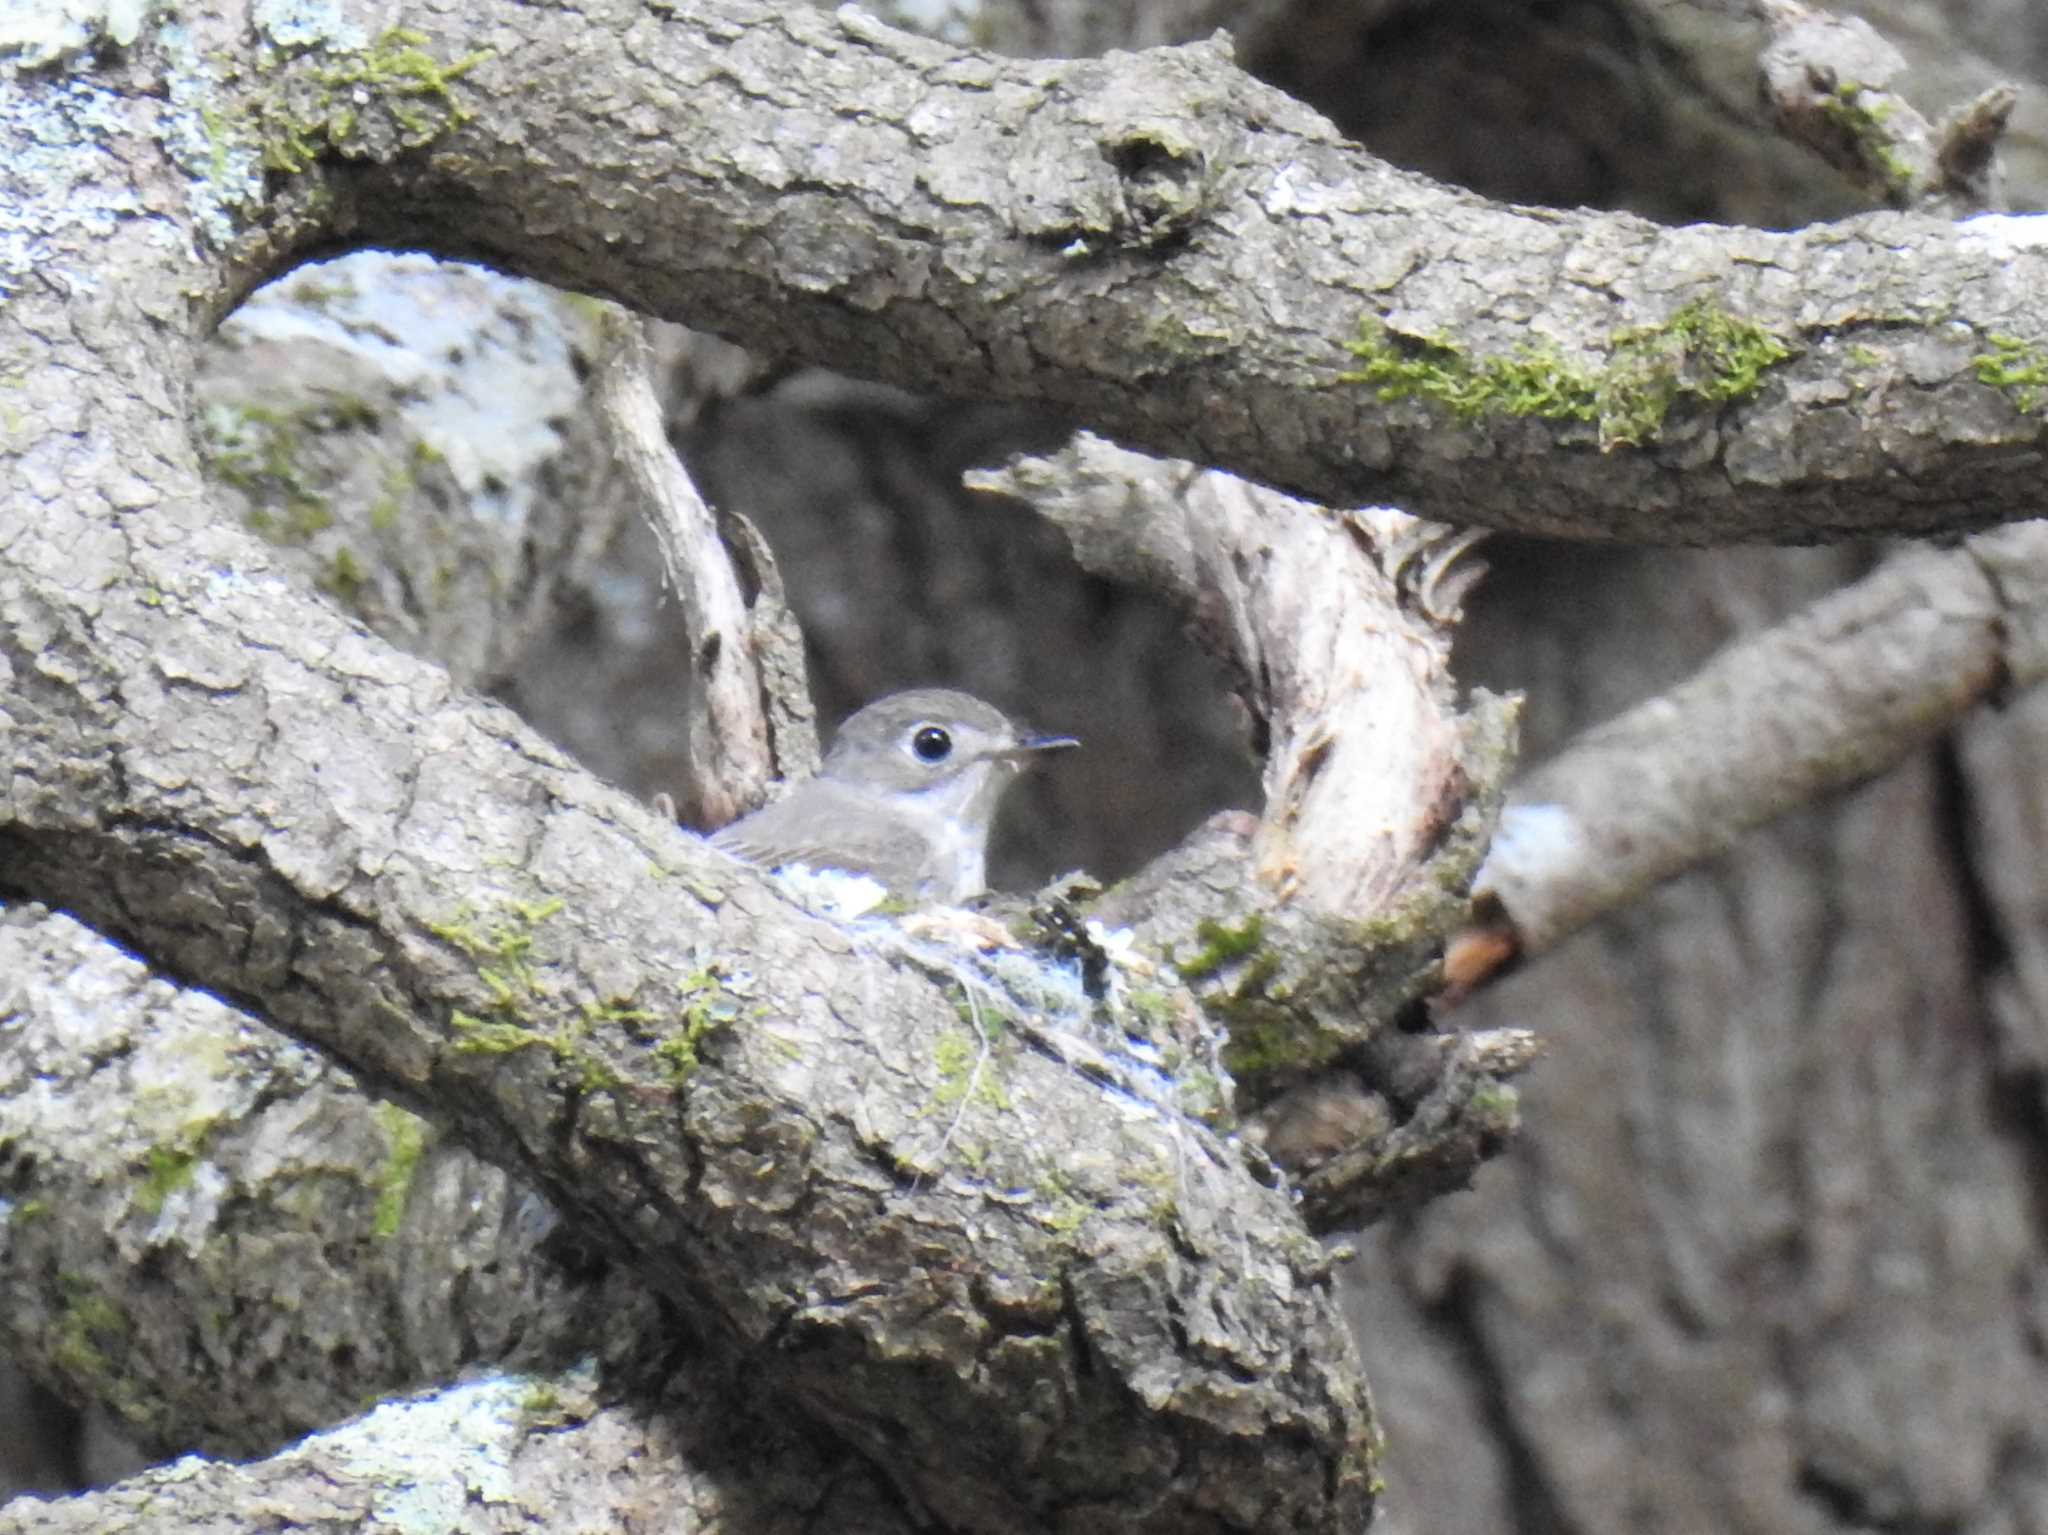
{"points": [[1701, 354], [2017, 367]]}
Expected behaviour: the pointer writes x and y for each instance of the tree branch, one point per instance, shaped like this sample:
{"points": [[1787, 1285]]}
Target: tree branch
{"points": [[503, 1456], [1190, 261], [734, 705], [1320, 925], [1825, 700], [213, 1230], [724, 1095], [742, 1099]]}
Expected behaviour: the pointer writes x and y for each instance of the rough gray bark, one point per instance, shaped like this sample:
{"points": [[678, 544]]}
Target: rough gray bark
{"points": [[724, 1091], [248, 1397], [536, 1450], [228, 1390], [217, 1231], [710, 1081], [1196, 280]]}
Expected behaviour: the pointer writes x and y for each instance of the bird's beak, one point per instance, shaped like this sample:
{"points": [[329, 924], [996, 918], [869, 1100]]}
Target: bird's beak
{"points": [[1031, 742]]}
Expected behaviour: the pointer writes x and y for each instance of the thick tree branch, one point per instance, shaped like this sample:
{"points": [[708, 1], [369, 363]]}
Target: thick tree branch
{"points": [[723, 1088], [1188, 260], [215, 1232], [503, 1456], [1837, 694], [738, 1097], [741, 1100]]}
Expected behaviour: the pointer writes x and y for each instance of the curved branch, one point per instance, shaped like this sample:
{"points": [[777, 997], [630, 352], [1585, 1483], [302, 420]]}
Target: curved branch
{"points": [[1190, 261], [735, 707], [738, 1098], [216, 1233], [741, 1099]]}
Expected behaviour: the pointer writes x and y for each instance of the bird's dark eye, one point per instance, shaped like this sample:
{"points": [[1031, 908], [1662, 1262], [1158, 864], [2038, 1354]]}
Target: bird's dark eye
{"points": [[932, 744]]}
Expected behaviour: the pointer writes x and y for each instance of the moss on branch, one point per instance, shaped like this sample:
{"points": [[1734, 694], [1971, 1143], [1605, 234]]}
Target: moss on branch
{"points": [[1701, 354]]}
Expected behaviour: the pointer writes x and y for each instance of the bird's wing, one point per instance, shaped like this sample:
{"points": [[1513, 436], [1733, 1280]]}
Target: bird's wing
{"points": [[823, 826]]}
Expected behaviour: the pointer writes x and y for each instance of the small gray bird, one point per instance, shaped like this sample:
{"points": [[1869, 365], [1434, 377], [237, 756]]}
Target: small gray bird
{"points": [[906, 795]]}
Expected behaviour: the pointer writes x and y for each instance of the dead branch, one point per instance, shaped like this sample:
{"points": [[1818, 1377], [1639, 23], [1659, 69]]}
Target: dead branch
{"points": [[731, 755], [1318, 927], [1825, 700]]}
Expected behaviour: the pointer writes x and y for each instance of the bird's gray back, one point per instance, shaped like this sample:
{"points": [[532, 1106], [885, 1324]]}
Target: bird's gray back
{"points": [[825, 825]]}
